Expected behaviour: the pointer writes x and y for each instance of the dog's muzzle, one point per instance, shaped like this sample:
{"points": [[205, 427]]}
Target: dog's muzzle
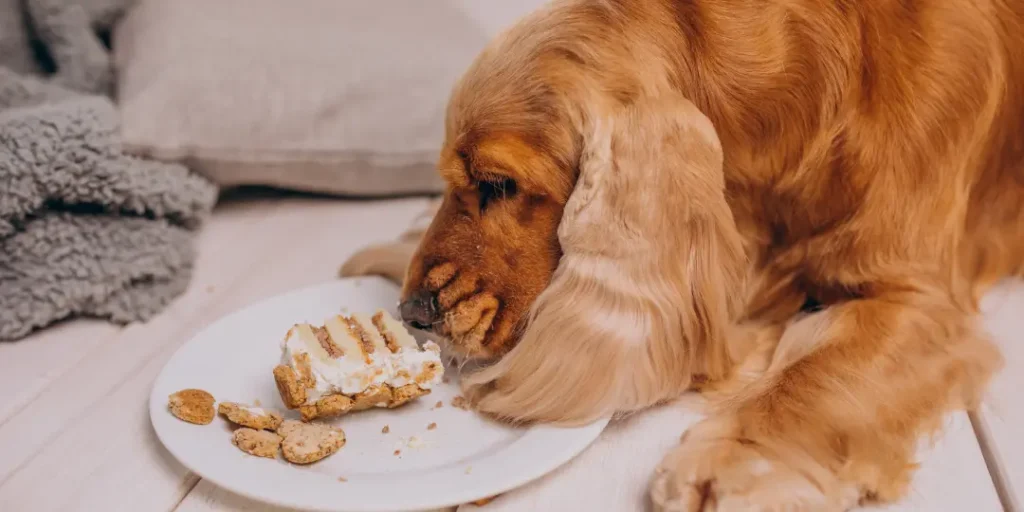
{"points": [[420, 310]]}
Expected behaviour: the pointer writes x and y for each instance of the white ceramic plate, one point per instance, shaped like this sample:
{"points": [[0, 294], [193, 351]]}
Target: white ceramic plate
{"points": [[465, 458]]}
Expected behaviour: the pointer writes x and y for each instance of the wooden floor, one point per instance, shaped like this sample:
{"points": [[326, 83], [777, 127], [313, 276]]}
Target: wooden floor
{"points": [[75, 432]]}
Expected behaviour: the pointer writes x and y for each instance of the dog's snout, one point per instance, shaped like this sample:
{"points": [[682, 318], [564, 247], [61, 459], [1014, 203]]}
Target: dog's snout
{"points": [[420, 310]]}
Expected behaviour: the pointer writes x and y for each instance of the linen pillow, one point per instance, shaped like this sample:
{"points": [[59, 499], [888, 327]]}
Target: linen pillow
{"points": [[330, 96]]}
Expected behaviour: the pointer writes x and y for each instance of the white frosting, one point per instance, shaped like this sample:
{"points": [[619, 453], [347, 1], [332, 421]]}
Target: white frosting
{"points": [[258, 411], [342, 375], [351, 375], [414, 362]]}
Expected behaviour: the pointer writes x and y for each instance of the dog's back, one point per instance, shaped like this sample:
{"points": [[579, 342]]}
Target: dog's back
{"points": [[857, 133]]}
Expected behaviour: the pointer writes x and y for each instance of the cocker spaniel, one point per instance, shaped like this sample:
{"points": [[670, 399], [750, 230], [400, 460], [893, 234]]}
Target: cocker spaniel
{"points": [[790, 205]]}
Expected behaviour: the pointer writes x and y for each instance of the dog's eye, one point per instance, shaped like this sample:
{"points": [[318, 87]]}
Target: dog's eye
{"points": [[495, 190]]}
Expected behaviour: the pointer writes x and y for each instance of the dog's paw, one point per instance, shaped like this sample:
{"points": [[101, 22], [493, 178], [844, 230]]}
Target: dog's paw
{"points": [[709, 472], [388, 260]]}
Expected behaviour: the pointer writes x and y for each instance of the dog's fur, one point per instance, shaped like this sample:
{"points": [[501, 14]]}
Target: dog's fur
{"points": [[790, 204]]}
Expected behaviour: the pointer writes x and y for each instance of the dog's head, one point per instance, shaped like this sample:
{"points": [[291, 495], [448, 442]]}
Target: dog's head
{"points": [[584, 234], [510, 162]]}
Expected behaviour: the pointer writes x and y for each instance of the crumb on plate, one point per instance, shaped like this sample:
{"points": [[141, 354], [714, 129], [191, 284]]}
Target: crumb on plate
{"points": [[432, 426], [385, 430]]}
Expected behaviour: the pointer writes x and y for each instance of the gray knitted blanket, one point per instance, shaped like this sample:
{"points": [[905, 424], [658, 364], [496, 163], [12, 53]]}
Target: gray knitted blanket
{"points": [[84, 228]]}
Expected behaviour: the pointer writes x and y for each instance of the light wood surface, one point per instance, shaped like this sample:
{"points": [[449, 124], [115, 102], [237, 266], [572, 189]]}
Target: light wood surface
{"points": [[1000, 421], [74, 428]]}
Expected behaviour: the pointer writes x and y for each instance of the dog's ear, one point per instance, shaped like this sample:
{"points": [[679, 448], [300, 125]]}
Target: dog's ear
{"points": [[649, 282]]}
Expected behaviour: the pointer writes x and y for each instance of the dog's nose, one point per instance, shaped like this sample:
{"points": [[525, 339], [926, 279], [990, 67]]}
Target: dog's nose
{"points": [[420, 310]]}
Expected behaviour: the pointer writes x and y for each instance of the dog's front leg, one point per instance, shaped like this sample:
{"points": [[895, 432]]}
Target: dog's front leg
{"points": [[836, 418], [390, 260]]}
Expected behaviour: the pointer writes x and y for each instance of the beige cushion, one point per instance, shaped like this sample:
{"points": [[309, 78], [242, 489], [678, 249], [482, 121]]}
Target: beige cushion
{"points": [[333, 96]]}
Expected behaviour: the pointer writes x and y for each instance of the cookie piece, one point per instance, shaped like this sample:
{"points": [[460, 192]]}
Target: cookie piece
{"points": [[374, 396], [192, 405], [260, 443], [305, 443], [406, 394], [288, 427], [326, 407], [293, 392], [252, 417]]}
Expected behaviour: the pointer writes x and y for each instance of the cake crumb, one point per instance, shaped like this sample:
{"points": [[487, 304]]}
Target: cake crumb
{"points": [[385, 430], [439, 404], [469, 469], [398, 452], [483, 501], [414, 442], [432, 426], [459, 402], [342, 479], [257, 403]]}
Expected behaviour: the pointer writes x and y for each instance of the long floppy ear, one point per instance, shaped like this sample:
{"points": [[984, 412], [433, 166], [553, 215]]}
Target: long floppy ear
{"points": [[642, 302]]}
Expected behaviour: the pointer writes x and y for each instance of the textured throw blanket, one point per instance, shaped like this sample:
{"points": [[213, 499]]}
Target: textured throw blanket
{"points": [[84, 228]]}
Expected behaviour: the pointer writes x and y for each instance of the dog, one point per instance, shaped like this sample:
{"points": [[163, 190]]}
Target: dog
{"points": [[792, 206]]}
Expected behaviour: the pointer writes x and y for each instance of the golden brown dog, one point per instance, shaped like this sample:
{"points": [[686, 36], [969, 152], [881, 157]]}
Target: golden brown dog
{"points": [[790, 204]]}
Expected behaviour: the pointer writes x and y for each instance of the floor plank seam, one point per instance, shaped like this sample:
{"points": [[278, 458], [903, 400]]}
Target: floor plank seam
{"points": [[19, 408], [196, 479]]}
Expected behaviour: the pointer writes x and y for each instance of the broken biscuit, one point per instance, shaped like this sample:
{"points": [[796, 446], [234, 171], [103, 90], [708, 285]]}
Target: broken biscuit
{"points": [[305, 443], [192, 405], [247, 416], [260, 443], [292, 392]]}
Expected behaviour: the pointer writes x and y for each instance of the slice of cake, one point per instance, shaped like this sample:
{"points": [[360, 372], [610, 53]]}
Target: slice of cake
{"points": [[353, 363]]}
